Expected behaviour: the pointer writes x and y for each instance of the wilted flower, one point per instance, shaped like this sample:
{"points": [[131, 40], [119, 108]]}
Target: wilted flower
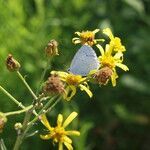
{"points": [[86, 37], [72, 82], [3, 121], [115, 42], [53, 85], [58, 133], [52, 48], [111, 61], [103, 75], [12, 64]]}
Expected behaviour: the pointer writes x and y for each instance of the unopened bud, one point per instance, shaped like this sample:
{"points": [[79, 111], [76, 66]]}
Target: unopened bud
{"points": [[53, 86], [18, 126], [3, 121], [52, 48], [103, 75], [12, 64]]}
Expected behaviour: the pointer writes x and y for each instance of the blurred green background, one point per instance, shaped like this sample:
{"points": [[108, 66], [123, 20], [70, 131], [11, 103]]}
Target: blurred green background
{"points": [[116, 118]]}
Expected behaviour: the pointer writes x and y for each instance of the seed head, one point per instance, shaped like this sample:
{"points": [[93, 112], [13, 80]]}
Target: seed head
{"points": [[103, 75], [53, 85], [3, 121], [52, 48], [12, 64]]}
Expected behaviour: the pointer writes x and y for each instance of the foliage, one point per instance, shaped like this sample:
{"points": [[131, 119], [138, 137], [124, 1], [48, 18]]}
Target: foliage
{"points": [[119, 116]]}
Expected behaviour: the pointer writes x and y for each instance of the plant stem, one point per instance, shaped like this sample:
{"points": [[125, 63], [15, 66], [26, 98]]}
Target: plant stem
{"points": [[12, 98], [42, 76], [27, 125], [19, 111], [27, 85]]}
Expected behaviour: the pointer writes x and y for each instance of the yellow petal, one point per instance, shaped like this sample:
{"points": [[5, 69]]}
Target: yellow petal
{"points": [[76, 40], [60, 73], [69, 119], [78, 33], [67, 139], [45, 137], [60, 146], [113, 78], [101, 49], [69, 146], [96, 30], [71, 90], [73, 132], [86, 90], [45, 122], [118, 55], [122, 66], [59, 120], [108, 32]]}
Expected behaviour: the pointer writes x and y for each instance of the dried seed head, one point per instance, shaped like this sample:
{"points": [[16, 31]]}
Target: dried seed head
{"points": [[3, 121], [53, 86], [12, 64], [103, 75], [52, 48]]}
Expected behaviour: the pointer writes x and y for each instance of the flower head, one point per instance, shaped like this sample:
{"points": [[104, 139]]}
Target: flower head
{"points": [[110, 60], [72, 82], [86, 37], [12, 64], [58, 133], [52, 48], [115, 42], [3, 121], [53, 85]]}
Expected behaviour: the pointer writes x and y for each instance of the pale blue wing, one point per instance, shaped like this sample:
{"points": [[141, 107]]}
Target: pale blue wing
{"points": [[84, 61]]}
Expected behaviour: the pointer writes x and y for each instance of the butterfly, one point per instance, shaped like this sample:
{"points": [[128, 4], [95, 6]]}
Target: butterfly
{"points": [[84, 61]]}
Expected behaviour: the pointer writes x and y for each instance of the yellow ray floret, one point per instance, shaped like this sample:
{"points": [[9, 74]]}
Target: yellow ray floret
{"points": [[115, 42], [112, 61], [58, 133], [86, 37], [72, 83]]}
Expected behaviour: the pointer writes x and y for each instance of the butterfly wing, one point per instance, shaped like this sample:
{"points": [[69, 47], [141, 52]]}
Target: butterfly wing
{"points": [[84, 61]]}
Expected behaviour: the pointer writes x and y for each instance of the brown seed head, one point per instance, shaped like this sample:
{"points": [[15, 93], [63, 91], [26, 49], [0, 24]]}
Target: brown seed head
{"points": [[103, 75], [52, 48], [12, 64], [53, 86], [3, 121]]}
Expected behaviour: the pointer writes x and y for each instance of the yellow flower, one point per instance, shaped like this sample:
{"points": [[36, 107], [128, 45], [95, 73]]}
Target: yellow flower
{"points": [[115, 42], [111, 61], [86, 37], [58, 134], [72, 82]]}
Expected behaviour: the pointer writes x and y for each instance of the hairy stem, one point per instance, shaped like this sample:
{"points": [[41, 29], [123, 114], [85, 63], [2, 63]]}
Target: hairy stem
{"points": [[27, 85], [18, 111], [42, 76], [12, 98]]}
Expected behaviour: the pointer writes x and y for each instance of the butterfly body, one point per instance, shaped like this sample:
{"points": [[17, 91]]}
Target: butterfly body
{"points": [[84, 61]]}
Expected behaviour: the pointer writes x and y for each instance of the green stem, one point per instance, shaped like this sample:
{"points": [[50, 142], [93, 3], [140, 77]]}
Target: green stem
{"points": [[42, 76], [19, 111], [27, 125], [12, 98], [27, 85]]}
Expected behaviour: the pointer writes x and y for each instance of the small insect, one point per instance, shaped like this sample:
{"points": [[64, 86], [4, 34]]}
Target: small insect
{"points": [[84, 61]]}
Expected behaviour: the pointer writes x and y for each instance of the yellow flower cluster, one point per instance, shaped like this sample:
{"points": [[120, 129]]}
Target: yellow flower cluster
{"points": [[58, 133], [110, 58]]}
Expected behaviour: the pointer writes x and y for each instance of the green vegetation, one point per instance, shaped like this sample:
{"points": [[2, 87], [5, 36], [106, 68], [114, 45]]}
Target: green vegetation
{"points": [[116, 118]]}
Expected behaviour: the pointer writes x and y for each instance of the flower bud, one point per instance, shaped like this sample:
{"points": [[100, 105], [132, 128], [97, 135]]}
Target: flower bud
{"points": [[3, 121], [53, 86], [103, 75], [18, 126], [12, 64], [52, 48]]}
